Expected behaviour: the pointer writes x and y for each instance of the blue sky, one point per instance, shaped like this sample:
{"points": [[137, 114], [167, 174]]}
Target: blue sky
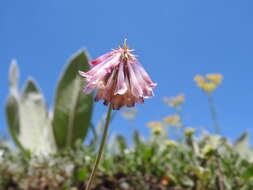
{"points": [[175, 39]]}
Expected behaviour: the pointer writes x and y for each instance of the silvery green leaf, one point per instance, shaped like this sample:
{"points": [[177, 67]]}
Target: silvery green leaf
{"points": [[13, 119], [241, 145], [72, 108], [36, 132], [13, 77]]}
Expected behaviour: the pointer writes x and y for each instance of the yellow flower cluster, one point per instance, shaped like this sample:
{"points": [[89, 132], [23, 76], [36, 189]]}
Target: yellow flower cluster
{"points": [[173, 120], [175, 101], [154, 124], [209, 82], [156, 127]]}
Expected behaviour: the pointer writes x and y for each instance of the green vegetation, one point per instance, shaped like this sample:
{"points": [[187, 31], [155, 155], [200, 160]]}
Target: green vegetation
{"points": [[50, 153]]}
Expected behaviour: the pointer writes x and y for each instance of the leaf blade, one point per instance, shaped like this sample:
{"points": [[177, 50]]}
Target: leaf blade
{"points": [[72, 109], [36, 132]]}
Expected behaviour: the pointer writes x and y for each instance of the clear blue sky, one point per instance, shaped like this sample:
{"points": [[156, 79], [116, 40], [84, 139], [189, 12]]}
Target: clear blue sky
{"points": [[175, 39]]}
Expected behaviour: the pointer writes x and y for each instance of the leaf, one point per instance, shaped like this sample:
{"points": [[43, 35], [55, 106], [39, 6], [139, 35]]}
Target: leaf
{"points": [[13, 119], [82, 174], [122, 145], [241, 145], [12, 102], [72, 108], [137, 139], [12, 107], [13, 77], [248, 172], [36, 133], [148, 153], [243, 139]]}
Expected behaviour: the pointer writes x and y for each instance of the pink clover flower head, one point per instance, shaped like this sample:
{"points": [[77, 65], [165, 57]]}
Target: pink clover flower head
{"points": [[119, 78]]}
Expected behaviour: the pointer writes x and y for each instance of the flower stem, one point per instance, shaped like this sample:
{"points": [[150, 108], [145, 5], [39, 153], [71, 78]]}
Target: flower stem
{"points": [[216, 125], [101, 148]]}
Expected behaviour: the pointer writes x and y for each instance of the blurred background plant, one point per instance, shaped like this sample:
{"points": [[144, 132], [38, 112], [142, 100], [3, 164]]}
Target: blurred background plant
{"points": [[38, 130], [175, 121], [208, 84], [52, 155]]}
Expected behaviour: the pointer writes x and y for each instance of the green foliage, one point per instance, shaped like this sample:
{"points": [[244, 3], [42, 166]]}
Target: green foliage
{"points": [[72, 108], [36, 133], [12, 115], [147, 165], [206, 162], [30, 124], [13, 119]]}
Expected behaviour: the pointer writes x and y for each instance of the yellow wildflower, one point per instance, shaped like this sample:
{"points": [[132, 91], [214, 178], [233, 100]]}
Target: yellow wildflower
{"points": [[199, 80], [173, 120], [215, 78], [208, 83], [209, 87], [175, 101], [154, 124]]}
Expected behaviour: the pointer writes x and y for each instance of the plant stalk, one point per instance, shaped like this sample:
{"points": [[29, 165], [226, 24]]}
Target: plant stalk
{"points": [[101, 148], [214, 115]]}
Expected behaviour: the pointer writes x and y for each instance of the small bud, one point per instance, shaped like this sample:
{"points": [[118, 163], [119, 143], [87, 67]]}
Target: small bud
{"points": [[157, 130], [170, 143], [189, 132]]}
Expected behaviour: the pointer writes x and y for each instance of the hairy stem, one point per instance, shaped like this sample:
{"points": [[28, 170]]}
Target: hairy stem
{"points": [[101, 148]]}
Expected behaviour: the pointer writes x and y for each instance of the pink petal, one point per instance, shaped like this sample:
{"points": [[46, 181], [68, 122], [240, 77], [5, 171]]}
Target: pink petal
{"points": [[145, 75], [109, 86], [101, 59], [89, 88], [135, 86], [99, 71], [121, 87], [146, 87]]}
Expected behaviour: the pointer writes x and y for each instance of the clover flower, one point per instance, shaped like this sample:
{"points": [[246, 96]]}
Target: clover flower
{"points": [[120, 79]]}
